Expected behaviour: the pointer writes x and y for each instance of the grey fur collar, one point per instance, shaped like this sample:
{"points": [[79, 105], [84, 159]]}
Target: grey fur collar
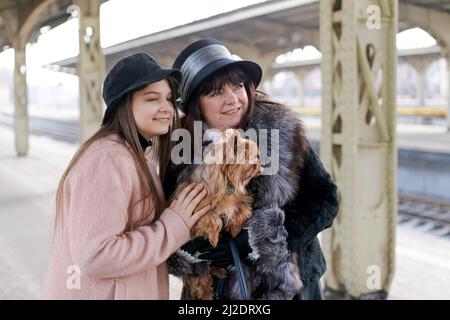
{"points": [[281, 187]]}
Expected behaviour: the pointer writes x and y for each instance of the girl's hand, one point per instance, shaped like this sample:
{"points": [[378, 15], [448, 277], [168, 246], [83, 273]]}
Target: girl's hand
{"points": [[188, 199]]}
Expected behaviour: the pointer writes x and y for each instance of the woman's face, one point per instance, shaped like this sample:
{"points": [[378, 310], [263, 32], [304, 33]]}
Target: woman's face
{"points": [[152, 109], [225, 108]]}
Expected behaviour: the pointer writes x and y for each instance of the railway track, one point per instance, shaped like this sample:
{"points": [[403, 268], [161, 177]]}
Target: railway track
{"points": [[429, 215], [64, 130]]}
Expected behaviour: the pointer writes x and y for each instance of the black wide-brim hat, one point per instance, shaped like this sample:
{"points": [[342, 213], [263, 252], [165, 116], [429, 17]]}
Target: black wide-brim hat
{"points": [[131, 73], [204, 57]]}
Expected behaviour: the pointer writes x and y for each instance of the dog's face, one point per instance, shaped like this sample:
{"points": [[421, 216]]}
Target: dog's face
{"points": [[237, 160]]}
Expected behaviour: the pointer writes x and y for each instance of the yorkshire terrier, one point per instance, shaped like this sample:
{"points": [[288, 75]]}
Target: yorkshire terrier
{"points": [[230, 163]]}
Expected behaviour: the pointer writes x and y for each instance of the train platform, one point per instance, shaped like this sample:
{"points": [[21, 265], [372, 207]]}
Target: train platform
{"points": [[27, 213], [415, 137]]}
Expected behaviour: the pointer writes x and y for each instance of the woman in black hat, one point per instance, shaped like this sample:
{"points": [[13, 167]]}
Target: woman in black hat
{"points": [[292, 204], [113, 231]]}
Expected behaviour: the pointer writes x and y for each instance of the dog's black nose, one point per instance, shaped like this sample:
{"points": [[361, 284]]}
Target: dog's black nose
{"points": [[223, 217]]}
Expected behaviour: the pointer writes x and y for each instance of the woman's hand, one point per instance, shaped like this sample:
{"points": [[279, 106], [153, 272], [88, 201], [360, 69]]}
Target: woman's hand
{"points": [[188, 199]]}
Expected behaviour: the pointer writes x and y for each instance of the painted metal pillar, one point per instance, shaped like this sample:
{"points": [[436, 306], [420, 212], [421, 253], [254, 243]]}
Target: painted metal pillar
{"points": [[448, 93], [266, 61], [358, 145], [20, 100], [421, 65], [422, 86], [266, 82], [91, 68], [301, 78], [165, 61]]}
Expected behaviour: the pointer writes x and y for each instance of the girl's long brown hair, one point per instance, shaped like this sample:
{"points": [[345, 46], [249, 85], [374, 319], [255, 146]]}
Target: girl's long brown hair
{"points": [[122, 123]]}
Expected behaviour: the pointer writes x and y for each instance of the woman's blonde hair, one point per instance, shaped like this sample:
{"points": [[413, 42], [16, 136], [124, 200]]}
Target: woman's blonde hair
{"points": [[122, 123]]}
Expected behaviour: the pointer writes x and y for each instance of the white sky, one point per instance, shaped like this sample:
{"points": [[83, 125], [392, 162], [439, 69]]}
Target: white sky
{"points": [[122, 20], [414, 38]]}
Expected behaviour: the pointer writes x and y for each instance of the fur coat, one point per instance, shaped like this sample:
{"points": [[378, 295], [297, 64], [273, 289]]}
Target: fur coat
{"points": [[291, 207]]}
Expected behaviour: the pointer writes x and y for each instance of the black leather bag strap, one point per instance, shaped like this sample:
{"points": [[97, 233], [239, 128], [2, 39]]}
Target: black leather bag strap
{"points": [[239, 271]]}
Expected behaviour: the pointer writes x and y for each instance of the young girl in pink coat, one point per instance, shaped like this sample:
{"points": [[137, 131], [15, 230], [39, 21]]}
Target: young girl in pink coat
{"points": [[113, 229]]}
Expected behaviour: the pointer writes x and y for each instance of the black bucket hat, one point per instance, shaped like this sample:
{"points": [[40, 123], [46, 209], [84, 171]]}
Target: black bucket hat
{"points": [[131, 73], [204, 57]]}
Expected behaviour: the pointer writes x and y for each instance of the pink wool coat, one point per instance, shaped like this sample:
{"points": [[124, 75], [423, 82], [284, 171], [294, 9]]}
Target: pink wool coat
{"points": [[91, 257]]}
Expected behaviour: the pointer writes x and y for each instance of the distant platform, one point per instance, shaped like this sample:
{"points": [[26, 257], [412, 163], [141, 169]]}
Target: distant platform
{"points": [[415, 137]]}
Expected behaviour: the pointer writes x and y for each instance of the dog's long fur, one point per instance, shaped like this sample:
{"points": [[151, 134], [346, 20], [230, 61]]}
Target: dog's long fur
{"points": [[229, 164]]}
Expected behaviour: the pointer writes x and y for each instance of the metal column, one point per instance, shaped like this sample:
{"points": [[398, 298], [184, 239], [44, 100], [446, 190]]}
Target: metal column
{"points": [[358, 144], [20, 100], [422, 86], [91, 68], [448, 92], [301, 78], [421, 66]]}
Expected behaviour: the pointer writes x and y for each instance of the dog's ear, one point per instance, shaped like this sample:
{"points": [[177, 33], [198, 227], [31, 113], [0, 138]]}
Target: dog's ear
{"points": [[248, 164], [236, 177], [217, 179], [247, 152], [215, 152], [233, 138]]}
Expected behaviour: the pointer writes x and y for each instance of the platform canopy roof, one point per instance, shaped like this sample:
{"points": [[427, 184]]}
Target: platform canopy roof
{"points": [[267, 28]]}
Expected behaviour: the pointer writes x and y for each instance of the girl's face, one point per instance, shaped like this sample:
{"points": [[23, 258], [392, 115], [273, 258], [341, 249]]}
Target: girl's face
{"points": [[225, 108], [153, 109]]}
